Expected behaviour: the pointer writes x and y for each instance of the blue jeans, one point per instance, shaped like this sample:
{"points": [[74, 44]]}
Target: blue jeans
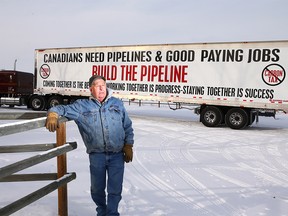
{"points": [[112, 166]]}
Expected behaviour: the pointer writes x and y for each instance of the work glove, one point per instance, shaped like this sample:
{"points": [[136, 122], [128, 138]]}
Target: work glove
{"points": [[52, 121], [128, 153]]}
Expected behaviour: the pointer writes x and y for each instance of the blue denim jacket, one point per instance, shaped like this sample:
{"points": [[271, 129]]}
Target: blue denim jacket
{"points": [[104, 127]]}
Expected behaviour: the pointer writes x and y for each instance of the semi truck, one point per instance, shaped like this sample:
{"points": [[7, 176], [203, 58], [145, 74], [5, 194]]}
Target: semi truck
{"points": [[16, 87], [229, 83]]}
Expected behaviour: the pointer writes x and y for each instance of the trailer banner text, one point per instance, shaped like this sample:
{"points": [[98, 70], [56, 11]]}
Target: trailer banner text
{"points": [[231, 71]]}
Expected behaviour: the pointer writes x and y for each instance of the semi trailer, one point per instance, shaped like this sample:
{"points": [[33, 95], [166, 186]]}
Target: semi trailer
{"points": [[229, 83]]}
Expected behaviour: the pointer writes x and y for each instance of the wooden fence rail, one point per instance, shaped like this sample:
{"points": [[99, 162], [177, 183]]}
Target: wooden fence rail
{"points": [[51, 150], [21, 203]]}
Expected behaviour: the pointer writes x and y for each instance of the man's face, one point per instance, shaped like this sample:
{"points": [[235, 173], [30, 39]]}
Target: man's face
{"points": [[98, 89]]}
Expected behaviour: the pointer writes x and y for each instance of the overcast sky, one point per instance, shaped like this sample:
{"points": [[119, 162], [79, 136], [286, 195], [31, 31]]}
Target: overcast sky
{"points": [[27, 25]]}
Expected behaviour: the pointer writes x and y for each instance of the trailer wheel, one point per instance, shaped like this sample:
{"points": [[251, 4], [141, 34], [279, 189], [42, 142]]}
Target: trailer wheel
{"points": [[37, 103], [211, 116], [54, 101], [236, 118]]}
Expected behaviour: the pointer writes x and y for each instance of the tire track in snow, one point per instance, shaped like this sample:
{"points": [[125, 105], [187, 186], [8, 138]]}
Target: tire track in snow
{"points": [[276, 159], [259, 156], [162, 186], [242, 157], [218, 174], [264, 157], [165, 188], [209, 195]]}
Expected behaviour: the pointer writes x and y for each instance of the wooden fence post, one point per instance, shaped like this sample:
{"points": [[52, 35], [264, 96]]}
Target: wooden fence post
{"points": [[61, 171]]}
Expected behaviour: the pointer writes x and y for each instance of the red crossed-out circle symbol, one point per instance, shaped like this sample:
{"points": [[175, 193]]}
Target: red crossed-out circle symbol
{"points": [[44, 71], [273, 74]]}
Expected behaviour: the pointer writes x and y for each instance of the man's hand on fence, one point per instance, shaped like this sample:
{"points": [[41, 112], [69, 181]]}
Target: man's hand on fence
{"points": [[128, 153], [52, 121]]}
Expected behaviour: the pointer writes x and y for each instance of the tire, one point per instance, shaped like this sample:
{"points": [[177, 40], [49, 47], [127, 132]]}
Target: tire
{"points": [[37, 103], [211, 116], [236, 118], [54, 101]]}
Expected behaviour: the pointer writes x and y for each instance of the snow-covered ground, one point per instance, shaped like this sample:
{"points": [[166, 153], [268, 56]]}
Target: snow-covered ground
{"points": [[180, 167]]}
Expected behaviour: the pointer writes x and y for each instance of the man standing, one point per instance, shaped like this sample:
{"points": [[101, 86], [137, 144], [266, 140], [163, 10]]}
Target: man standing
{"points": [[107, 132]]}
